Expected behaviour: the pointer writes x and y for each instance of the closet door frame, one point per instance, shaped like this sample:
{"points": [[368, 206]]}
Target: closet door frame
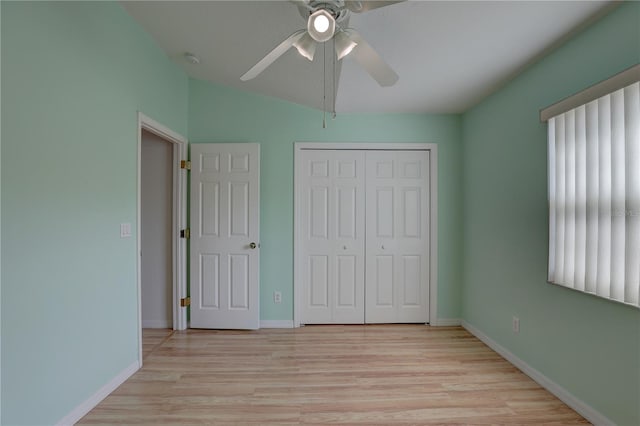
{"points": [[299, 147]]}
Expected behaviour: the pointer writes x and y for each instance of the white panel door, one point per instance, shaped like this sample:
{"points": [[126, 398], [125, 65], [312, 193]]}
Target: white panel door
{"points": [[332, 228], [397, 237], [225, 234]]}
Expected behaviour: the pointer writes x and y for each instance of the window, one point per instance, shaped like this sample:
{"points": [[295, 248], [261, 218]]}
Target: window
{"points": [[594, 194]]}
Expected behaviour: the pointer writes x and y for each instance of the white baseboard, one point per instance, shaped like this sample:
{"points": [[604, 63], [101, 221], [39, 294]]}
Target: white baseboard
{"points": [[564, 395], [157, 324], [81, 410], [447, 322], [276, 324], [440, 322]]}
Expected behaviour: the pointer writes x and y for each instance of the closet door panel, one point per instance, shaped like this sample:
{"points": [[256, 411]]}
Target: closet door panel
{"points": [[397, 252], [412, 242], [332, 222], [381, 296]]}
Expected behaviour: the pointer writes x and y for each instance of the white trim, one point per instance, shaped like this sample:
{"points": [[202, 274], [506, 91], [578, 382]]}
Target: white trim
{"points": [[610, 85], [446, 322], [157, 324], [81, 410], [296, 225], [365, 146], [433, 233], [179, 246], [585, 410], [433, 226], [276, 324]]}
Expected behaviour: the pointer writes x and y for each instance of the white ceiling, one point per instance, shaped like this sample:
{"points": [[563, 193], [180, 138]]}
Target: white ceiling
{"points": [[448, 54]]}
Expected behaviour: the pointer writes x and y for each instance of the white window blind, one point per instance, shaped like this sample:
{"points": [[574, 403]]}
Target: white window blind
{"points": [[594, 196]]}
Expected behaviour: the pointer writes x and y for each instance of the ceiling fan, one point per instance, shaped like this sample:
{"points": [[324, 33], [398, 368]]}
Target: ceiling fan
{"points": [[327, 20]]}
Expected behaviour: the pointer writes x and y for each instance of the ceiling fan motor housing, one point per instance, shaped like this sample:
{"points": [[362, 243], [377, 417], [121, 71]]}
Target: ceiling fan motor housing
{"points": [[336, 8], [321, 25]]}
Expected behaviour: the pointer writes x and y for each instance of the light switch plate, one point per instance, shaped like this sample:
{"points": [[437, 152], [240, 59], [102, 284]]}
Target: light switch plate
{"points": [[125, 230]]}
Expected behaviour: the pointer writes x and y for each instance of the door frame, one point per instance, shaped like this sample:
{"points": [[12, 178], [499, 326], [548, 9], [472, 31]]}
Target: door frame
{"points": [[179, 216], [298, 147]]}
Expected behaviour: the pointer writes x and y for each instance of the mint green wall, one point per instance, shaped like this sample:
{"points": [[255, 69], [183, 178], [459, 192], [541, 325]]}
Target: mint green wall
{"points": [[73, 77], [0, 230], [588, 345], [220, 114]]}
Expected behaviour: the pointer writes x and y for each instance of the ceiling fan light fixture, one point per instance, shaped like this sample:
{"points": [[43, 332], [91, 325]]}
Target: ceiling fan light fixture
{"points": [[321, 25], [306, 46], [344, 44]]}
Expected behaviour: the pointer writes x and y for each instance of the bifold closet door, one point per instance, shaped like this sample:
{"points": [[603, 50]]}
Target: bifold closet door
{"points": [[332, 227], [397, 237]]}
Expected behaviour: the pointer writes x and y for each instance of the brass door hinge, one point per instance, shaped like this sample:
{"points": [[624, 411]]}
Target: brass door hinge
{"points": [[185, 164], [185, 302], [185, 233]]}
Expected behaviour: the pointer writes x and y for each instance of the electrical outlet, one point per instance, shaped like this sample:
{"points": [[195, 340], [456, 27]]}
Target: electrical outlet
{"points": [[277, 297], [515, 325]]}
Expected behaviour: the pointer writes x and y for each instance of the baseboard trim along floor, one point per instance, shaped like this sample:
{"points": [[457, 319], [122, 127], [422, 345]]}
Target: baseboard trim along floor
{"points": [[276, 324], [564, 395], [447, 322], [81, 410]]}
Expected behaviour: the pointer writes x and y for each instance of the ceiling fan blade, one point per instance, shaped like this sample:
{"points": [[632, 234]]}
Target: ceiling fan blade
{"points": [[360, 6], [273, 55], [369, 59], [304, 4]]}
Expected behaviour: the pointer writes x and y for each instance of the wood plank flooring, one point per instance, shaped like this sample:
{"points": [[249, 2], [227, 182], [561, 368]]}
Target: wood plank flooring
{"points": [[374, 374], [152, 338]]}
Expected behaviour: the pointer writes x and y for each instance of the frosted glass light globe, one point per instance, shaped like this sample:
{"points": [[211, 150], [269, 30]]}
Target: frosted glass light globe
{"points": [[321, 23]]}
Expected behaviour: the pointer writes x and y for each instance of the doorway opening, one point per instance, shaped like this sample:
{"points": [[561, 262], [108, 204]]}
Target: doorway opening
{"points": [[156, 266], [161, 214]]}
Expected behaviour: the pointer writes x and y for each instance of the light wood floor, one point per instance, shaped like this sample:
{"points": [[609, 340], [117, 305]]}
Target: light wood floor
{"points": [[152, 338], [389, 374]]}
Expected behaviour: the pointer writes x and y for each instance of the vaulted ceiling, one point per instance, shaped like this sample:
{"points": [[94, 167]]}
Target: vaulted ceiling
{"points": [[448, 54]]}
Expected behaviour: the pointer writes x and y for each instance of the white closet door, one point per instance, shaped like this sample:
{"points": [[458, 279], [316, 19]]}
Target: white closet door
{"points": [[332, 216], [397, 240]]}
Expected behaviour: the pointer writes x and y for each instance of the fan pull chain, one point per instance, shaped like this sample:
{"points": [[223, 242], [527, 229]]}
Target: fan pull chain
{"points": [[324, 85], [335, 71]]}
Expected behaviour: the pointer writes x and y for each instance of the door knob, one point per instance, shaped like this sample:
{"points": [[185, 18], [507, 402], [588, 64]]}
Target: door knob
{"points": [[253, 245], [382, 247]]}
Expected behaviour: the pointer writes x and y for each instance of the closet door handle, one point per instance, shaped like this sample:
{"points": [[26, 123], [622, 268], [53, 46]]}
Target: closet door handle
{"points": [[382, 247]]}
